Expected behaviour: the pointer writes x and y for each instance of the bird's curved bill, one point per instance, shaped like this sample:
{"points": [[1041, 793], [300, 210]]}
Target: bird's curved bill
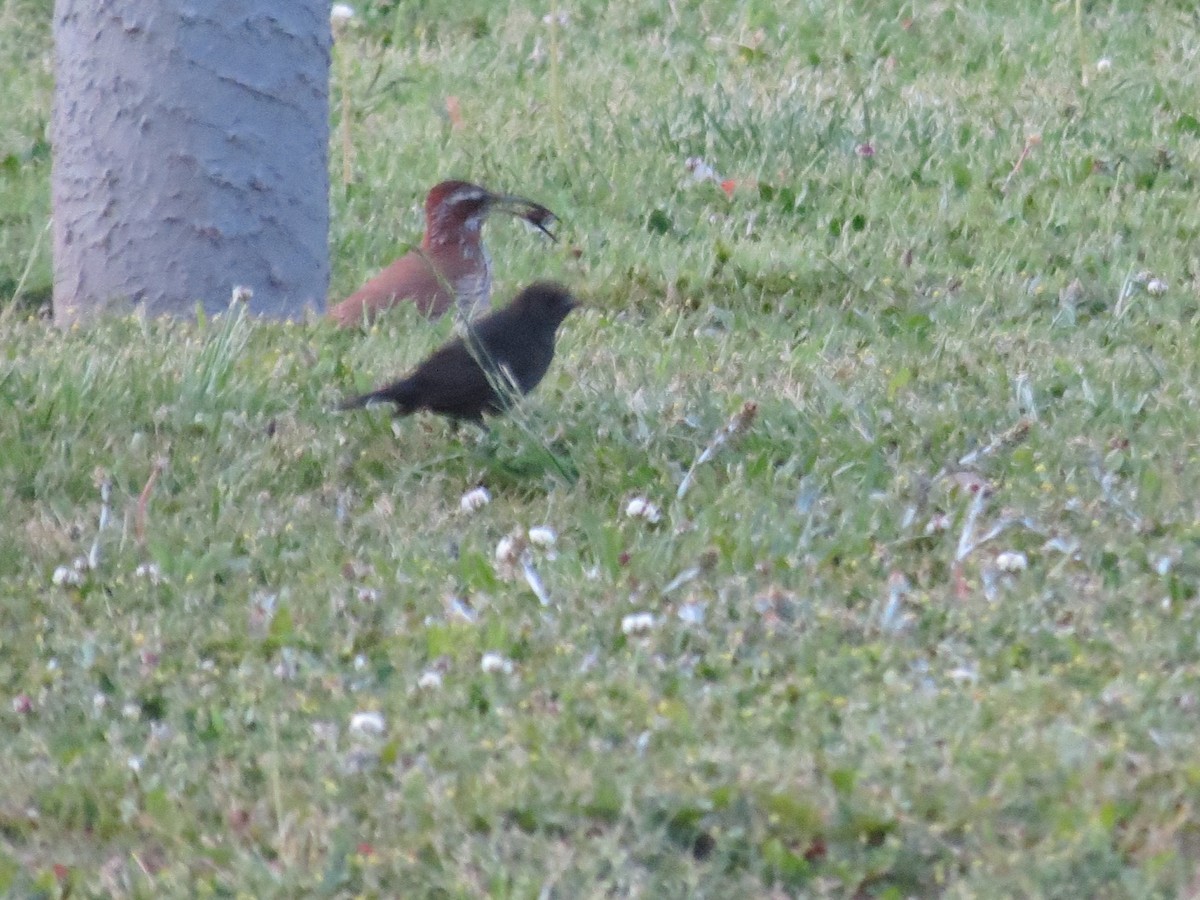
{"points": [[533, 213]]}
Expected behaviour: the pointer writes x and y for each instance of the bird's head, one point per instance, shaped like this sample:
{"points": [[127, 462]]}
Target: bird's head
{"points": [[548, 300], [455, 210]]}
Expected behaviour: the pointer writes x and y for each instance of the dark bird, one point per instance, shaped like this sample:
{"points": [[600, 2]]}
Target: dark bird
{"points": [[451, 267], [500, 357]]}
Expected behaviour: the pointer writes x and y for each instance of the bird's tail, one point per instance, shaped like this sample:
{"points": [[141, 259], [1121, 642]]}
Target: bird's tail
{"points": [[356, 402], [398, 394]]}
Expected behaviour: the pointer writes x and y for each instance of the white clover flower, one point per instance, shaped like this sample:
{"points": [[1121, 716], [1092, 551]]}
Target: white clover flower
{"points": [[341, 14], [67, 575], [493, 662], [1156, 287], [474, 499], [430, 680], [1012, 561], [1103, 65], [367, 723], [701, 170], [508, 550], [642, 508], [150, 572], [542, 536], [637, 623]]}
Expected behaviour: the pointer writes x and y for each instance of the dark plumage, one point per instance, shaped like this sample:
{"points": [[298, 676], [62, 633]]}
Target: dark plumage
{"points": [[504, 353]]}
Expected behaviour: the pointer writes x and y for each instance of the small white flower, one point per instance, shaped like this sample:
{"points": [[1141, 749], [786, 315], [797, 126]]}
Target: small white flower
{"points": [[542, 536], [701, 170], [493, 662], [135, 764], [563, 19], [99, 701], [642, 508], [360, 662], [367, 595], [367, 723], [637, 623], [692, 613], [1012, 561], [1156, 287], [430, 680], [67, 575], [1104, 65], [341, 14], [150, 572], [508, 550], [475, 498]]}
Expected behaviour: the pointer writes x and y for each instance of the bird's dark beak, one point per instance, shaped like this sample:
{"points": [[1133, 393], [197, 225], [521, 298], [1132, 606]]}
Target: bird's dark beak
{"points": [[533, 213]]}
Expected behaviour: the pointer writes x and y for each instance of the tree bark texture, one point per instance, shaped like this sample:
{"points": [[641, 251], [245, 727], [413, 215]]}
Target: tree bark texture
{"points": [[190, 155]]}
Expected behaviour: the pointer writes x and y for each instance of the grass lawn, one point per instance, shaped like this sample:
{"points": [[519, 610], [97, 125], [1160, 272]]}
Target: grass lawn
{"points": [[925, 625]]}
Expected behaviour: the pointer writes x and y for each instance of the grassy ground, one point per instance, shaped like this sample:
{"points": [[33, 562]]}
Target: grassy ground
{"points": [[928, 626]]}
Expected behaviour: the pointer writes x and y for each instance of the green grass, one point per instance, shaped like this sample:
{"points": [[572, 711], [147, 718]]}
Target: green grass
{"points": [[872, 705]]}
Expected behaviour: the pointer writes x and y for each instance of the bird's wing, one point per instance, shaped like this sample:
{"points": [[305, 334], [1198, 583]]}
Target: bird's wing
{"points": [[451, 379], [521, 342], [411, 277]]}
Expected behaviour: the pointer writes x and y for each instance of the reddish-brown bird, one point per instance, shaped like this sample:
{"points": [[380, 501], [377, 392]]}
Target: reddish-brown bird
{"points": [[501, 356], [452, 266]]}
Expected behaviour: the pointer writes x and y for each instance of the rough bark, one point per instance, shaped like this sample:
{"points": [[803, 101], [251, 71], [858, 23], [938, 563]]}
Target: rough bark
{"points": [[190, 145]]}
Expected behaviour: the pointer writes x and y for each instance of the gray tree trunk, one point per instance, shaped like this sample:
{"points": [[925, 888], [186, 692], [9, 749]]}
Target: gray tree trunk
{"points": [[190, 142]]}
